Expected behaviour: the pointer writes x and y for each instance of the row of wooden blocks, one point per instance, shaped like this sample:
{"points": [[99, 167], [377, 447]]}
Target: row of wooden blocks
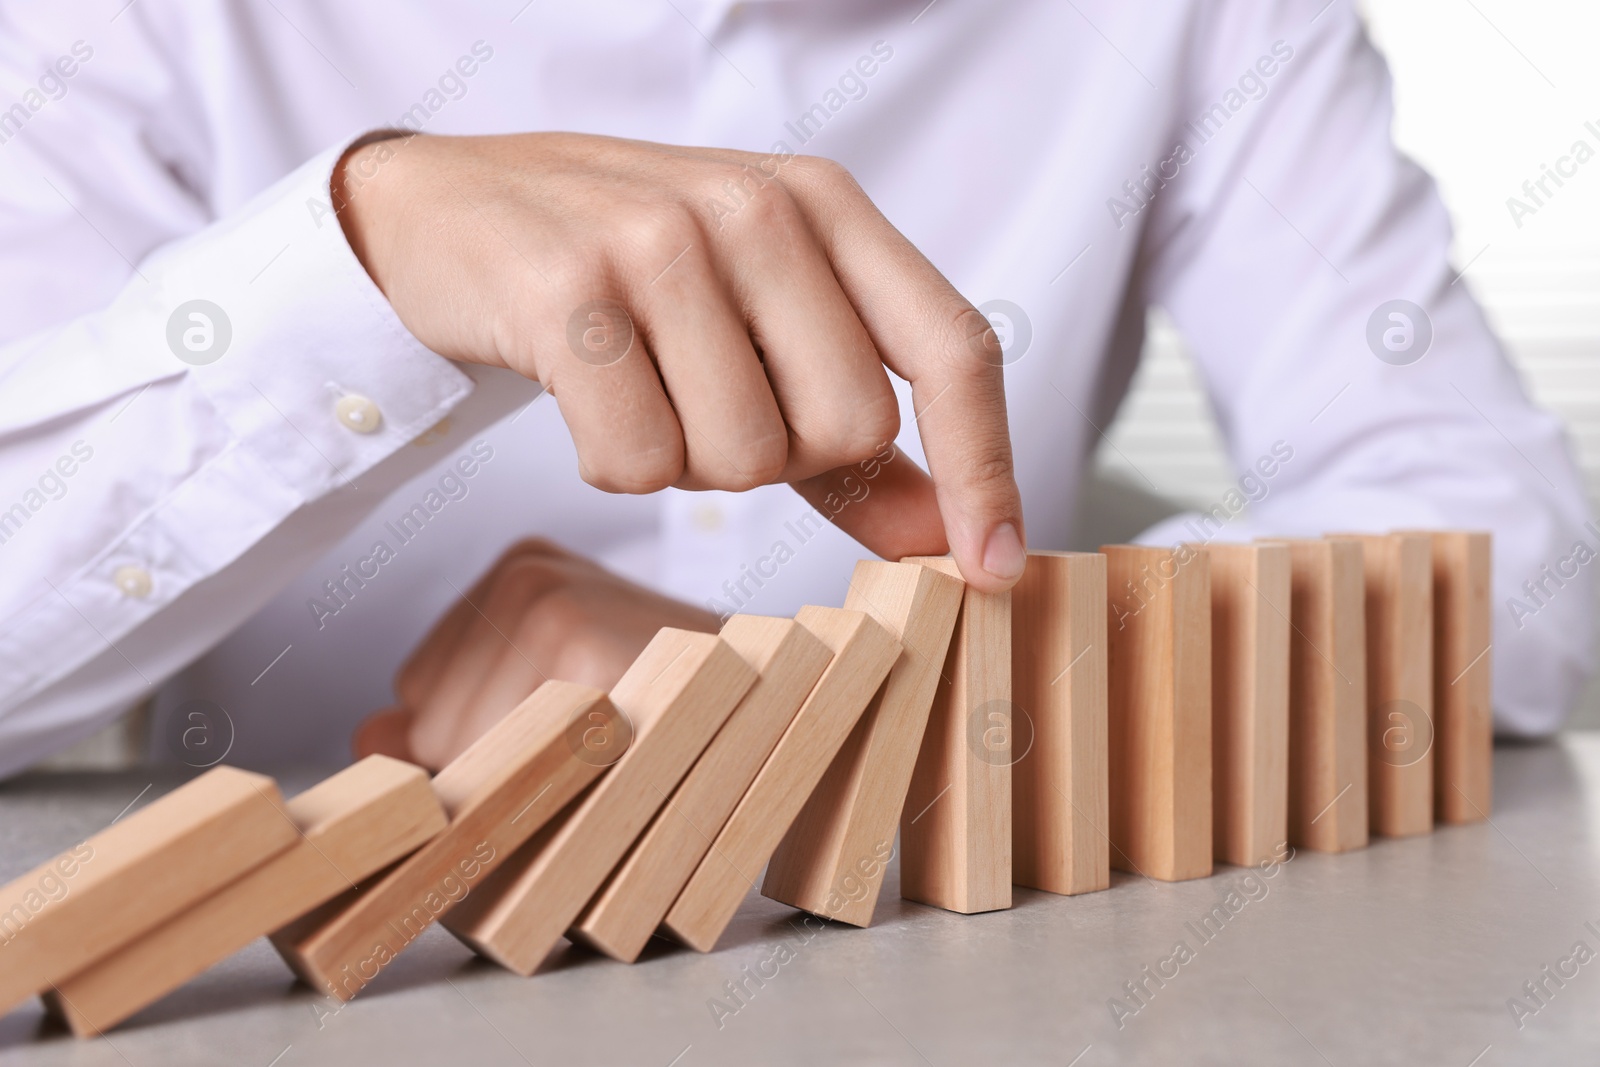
{"points": [[1148, 708]]}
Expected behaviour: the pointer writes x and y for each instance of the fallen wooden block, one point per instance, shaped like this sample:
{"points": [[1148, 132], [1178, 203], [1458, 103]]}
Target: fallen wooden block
{"points": [[1250, 613], [91, 900], [1159, 696], [678, 693], [1060, 824], [623, 915], [832, 860], [1327, 696], [351, 826], [1399, 588], [863, 651], [497, 793], [955, 829], [1463, 716]]}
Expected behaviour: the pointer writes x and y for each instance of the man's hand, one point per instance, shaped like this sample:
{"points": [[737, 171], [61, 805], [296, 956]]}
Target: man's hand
{"points": [[707, 319], [539, 613]]}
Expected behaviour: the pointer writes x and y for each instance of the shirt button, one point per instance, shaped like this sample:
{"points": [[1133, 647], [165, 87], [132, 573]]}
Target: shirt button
{"points": [[358, 413], [133, 581], [707, 518]]}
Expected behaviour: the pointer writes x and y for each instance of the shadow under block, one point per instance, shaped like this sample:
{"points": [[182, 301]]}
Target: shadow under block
{"points": [[351, 826], [863, 651], [955, 829], [1060, 822], [1327, 696], [138, 872], [497, 793], [623, 916], [1400, 734], [678, 693], [1158, 670], [1463, 715], [832, 860], [1249, 701]]}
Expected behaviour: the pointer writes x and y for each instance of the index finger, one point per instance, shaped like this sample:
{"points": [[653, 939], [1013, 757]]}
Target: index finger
{"points": [[927, 333]]}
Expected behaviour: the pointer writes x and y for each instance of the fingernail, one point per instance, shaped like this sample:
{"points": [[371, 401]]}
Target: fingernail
{"points": [[1003, 554]]}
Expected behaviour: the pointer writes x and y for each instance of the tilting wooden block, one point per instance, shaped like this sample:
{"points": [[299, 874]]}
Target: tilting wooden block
{"points": [[832, 860], [351, 826], [1249, 701], [621, 918], [678, 693], [863, 651], [1400, 736], [143, 869], [1060, 821], [1159, 694], [1327, 696], [1463, 767], [955, 828], [498, 793]]}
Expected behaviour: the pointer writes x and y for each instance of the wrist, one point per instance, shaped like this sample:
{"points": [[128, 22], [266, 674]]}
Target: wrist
{"points": [[360, 185]]}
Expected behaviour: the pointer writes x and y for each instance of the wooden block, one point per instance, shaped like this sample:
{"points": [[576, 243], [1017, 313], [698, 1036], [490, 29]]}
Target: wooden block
{"points": [[678, 693], [135, 874], [1398, 569], [621, 918], [1463, 715], [955, 830], [1250, 614], [351, 826], [832, 860], [497, 793], [863, 651], [1158, 670], [1060, 822], [1327, 696]]}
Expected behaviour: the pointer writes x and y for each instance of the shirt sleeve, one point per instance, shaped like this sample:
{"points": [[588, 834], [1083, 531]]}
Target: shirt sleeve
{"points": [[177, 388], [1284, 236]]}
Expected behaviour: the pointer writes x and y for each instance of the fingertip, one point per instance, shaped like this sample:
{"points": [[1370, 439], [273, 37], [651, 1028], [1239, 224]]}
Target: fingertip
{"points": [[1000, 564], [1004, 554], [384, 733]]}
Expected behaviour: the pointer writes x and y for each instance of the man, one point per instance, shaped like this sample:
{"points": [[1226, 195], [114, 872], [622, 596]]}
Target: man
{"points": [[279, 280]]}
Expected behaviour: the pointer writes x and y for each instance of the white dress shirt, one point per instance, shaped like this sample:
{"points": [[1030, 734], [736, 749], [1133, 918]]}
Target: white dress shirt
{"points": [[174, 510]]}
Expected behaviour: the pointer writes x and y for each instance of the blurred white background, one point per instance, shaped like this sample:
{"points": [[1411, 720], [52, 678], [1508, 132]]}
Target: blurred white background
{"points": [[1487, 93]]}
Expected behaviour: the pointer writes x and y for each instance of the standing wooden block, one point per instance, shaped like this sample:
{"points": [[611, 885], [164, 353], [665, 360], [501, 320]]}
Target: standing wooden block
{"points": [[1400, 737], [621, 918], [1249, 701], [1327, 696], [91, 900], [1463, 715], [955, 830], [1159, 695], [502, 789], [351, 826], [832, 860], [863, 651], [678, 693], [1060, 822]]}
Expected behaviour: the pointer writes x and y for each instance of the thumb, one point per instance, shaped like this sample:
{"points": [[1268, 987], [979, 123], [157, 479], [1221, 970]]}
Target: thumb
{"points": [[384, 733], [889, 506]]}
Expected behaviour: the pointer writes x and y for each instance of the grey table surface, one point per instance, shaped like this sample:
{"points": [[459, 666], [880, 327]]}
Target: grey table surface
{"points": [[1406, 952]]}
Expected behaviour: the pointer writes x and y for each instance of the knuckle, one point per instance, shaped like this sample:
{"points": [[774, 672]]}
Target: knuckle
{"points": [[656, 235], [823, 172], [768, 456], [560, 615], [990, 469], [977, 347]]}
